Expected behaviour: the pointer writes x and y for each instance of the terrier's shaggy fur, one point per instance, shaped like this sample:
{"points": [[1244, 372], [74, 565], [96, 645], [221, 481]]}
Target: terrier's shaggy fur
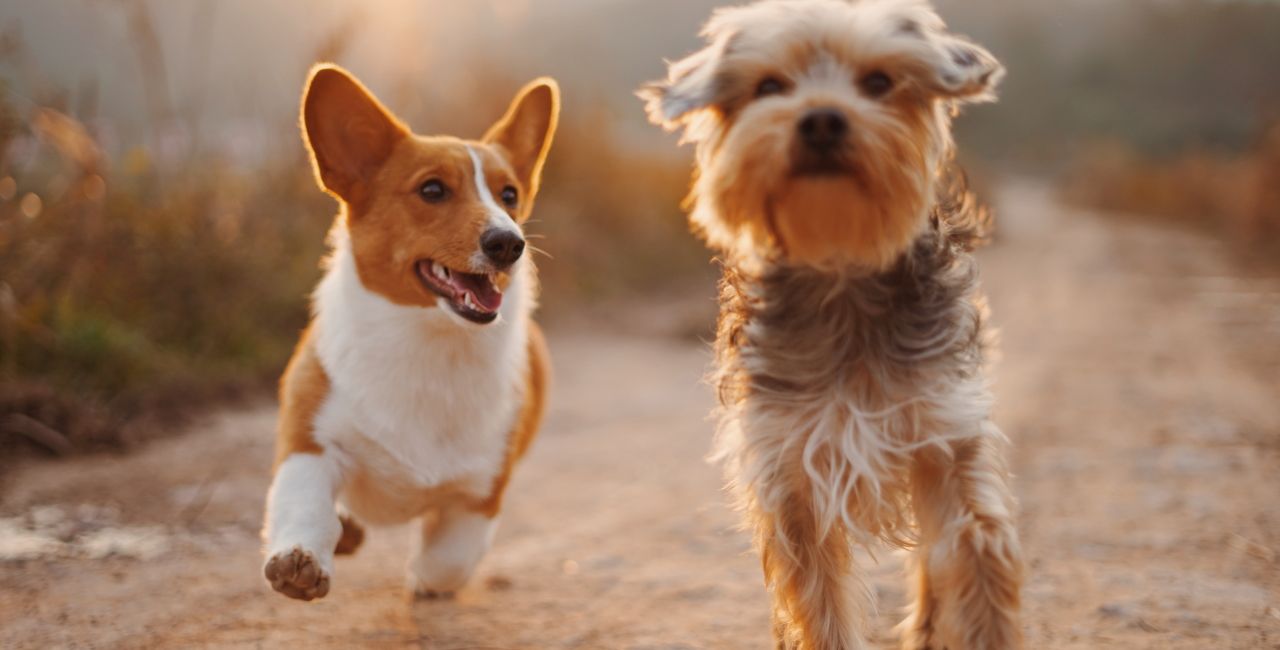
{"points": [[851, 344]]}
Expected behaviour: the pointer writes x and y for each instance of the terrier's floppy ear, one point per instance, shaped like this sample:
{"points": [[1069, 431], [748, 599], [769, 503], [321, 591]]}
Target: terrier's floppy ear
{"points": [[690, 86], [526, 131], [348, 132], [960, 70]]}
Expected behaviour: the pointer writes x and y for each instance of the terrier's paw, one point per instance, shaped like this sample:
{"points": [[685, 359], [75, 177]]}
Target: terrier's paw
{"points": [[297, 574]]}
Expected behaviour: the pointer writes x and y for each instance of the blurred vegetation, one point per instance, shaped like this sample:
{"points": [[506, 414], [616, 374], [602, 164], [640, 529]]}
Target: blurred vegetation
{"points": [[146, 273], [1160, 77], [125, 287], [1166, 109], [134, 291], [1236, 196]]}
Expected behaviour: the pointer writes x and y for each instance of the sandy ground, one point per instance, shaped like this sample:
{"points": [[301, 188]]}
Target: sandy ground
{"points": [[1140, 385]]}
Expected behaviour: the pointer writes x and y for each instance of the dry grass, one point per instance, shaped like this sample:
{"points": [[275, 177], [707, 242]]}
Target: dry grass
{"points": [[1235, 196], [610, 224], [134, 288], [147, 284], [124, 286]]}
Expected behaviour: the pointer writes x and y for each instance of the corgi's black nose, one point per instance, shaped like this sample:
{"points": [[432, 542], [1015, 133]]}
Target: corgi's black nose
{"points": [[823, 128], [502, 247]]}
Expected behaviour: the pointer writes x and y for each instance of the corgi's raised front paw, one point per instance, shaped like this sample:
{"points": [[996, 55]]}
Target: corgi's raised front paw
{"points": [[297, 573]]}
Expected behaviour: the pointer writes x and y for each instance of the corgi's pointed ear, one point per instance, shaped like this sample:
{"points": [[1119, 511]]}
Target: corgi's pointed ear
{"points": [[348, 132], [526, 131]]}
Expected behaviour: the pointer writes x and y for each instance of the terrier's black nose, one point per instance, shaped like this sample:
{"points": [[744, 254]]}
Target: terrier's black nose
{"points": [[823, 128], [502, 247]]}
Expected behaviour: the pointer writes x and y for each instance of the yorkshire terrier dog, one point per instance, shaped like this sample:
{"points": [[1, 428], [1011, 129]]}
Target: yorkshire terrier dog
{"points": [[854, 406]]}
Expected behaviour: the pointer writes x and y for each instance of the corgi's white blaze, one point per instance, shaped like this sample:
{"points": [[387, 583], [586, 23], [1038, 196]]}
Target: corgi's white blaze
{"points": [[300, 511], [416, 397], [498, 218]]}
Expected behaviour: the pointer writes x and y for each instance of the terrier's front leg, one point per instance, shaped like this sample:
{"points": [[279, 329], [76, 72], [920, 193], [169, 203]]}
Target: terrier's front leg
{"points": [[448, 551], [809, 575], [969, 563], [302, 527]]}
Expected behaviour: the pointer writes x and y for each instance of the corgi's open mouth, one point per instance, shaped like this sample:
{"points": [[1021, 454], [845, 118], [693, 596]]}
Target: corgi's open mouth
{"points": [[473, 296]]}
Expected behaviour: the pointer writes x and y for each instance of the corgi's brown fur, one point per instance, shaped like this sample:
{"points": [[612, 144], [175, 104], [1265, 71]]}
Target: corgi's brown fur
{"points": [[422, 379]]}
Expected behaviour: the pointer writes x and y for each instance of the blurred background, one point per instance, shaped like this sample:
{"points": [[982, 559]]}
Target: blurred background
{"points": [[160, 231], [159, 227]]}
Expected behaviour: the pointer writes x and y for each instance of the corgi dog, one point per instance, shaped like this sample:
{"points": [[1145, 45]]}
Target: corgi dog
{"points": [[421, 379]]}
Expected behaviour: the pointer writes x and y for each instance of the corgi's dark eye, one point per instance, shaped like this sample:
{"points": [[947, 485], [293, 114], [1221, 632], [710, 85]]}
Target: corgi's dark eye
{"points": [[770, 86], [876, 84], [510, 197], [433, 191]]}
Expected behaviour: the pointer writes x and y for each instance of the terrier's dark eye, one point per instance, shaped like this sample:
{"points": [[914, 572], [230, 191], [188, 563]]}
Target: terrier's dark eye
{"points": [[770, 86], [876, 84], [433, 191], [510, 196]]}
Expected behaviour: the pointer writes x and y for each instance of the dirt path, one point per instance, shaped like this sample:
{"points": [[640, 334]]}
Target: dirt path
{"points": [[1140, 384]]}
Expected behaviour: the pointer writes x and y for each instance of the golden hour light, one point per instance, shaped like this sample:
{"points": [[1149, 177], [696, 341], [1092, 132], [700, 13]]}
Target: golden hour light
{"points": [[622, 324], [31, 205]]}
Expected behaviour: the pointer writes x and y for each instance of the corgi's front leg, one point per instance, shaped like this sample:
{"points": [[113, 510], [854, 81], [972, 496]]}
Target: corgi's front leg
{"points": [[302, 528], [448, 550]]}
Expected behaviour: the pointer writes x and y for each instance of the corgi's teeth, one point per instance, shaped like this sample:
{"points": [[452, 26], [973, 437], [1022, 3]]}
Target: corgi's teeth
{"points": [[468, 302], [439, 271]]}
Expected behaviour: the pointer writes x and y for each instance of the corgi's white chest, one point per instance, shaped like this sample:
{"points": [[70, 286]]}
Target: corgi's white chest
{"points": [[417, 397]]}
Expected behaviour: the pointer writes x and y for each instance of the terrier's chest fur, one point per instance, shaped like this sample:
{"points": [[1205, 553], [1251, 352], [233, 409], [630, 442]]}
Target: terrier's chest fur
{"points": [[853, 374]]}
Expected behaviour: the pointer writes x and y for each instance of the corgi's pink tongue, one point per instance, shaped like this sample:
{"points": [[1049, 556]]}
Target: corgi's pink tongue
{"points": [[482, 290]]}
